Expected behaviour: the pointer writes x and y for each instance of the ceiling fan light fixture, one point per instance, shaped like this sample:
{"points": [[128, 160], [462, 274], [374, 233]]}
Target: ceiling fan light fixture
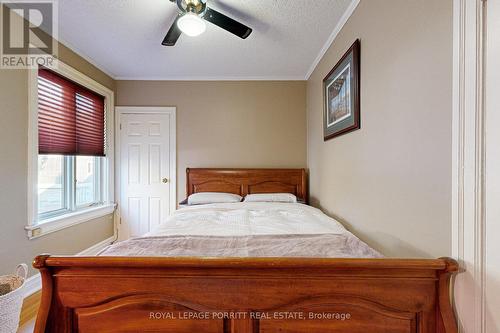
{"points": [[191, 24]]}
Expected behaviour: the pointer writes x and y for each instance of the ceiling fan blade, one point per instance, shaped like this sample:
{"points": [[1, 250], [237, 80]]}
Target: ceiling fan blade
{"points": [[173, 34], [227, 23]]}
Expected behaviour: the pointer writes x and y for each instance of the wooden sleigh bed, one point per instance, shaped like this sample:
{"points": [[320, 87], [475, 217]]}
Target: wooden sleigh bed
{"points": [[166, 294]]}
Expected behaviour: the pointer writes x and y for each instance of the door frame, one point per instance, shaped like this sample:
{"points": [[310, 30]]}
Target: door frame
{"points": [[170, 110], [468, 162]]}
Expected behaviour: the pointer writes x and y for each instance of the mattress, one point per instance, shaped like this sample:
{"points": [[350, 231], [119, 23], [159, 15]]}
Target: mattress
{"points": [[253, 229]]}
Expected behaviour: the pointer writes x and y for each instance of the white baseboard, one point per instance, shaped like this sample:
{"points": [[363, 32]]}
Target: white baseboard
{"points": [[34, 283], [95, 249]]}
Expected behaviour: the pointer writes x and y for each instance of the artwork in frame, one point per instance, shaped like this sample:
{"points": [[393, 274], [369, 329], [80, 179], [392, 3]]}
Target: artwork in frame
{"points": [[341, 95]]}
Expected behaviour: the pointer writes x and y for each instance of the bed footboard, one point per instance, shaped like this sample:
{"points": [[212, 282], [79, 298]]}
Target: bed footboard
{"points": [[245, 295]]}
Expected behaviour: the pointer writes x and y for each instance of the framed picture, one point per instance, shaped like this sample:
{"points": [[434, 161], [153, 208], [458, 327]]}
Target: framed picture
{"points": [[341, 95]]}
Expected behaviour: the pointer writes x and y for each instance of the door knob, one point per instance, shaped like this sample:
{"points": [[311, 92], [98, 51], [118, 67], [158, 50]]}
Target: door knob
{"points": [[165, 180]]}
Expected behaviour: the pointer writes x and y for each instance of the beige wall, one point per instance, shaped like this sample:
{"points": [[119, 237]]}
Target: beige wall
{"points": [[390, 182], [14, 245], [229, 124], [396, 190]]}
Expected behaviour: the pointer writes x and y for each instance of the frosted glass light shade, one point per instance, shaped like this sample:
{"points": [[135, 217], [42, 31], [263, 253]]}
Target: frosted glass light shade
{"points": [[191, 24]]}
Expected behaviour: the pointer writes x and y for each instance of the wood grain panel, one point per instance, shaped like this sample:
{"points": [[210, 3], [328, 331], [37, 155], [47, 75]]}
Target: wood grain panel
{"points": [[272, 187], [246, 181], [218, 186], [151, 313], [117, 294], [337, 314]]}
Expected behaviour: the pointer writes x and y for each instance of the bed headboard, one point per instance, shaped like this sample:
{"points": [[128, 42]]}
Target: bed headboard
{"points": [[248, 181]]}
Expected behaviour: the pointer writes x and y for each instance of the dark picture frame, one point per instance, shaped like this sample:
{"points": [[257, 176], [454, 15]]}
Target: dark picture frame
{"points": [[341, 100]]}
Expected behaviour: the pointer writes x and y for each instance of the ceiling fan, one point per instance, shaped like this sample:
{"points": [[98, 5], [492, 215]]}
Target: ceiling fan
{"points": [[190, 21]]}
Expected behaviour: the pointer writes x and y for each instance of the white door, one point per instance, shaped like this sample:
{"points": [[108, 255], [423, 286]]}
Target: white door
{"points": [[147, 168]]}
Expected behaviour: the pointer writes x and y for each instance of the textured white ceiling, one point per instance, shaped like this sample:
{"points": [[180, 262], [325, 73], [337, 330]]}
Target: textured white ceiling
{"points": [[123, 38]]}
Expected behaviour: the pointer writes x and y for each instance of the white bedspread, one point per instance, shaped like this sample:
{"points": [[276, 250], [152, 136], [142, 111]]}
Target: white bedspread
{"points": [[248, 218], [247, 230]]}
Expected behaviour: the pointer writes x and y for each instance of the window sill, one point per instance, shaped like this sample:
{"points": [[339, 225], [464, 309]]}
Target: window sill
{"points": [[67, 220]]}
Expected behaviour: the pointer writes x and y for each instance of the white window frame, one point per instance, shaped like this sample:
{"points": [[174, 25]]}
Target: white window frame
{"points": [[66, 182], [35, 227], [69, 188], [98, 183]]}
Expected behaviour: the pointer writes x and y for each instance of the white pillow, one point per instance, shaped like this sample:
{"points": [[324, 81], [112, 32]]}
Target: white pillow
{"points": [[271, 197], [203, 198]]}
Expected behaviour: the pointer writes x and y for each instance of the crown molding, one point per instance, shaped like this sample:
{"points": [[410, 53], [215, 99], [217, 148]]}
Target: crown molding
{"points": [[56, 36], [343, 20], [85, 57], [345, 17], [211, 78]]}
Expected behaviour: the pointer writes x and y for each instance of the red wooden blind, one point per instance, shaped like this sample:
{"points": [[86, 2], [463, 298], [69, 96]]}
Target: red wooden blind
{"points": [[70, 117]]}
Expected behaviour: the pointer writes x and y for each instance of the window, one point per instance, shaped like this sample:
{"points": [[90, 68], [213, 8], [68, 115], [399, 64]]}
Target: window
{"points": [[68, 183], [70, 141], [88, 185], [71, 118], [51, 184], [70, 124]]}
